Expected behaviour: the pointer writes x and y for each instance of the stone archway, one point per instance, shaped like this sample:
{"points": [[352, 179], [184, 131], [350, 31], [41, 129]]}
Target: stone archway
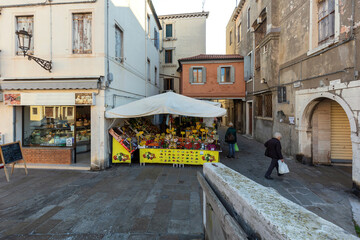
{"points": [[306, 103]]}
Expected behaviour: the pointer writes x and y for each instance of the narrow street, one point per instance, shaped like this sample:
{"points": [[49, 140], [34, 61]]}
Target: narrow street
{"points": [[324, 190]]}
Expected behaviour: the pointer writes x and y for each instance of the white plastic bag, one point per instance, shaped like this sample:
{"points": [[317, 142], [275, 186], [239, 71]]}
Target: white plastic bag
{"points": [[283, 168]]}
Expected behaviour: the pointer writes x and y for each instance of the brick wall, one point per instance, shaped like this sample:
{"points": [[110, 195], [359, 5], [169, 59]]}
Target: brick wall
{"points": [[47, 156]]}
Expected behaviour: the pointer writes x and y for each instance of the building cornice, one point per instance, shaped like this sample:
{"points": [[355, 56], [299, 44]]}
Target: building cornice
{"points": [[185, 15]]}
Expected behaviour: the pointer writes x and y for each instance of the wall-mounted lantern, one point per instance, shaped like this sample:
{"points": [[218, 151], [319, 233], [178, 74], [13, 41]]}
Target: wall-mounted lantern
{"points": [[24, 39]]}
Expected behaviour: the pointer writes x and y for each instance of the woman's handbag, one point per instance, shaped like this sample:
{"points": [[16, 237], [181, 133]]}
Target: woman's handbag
{"points": [[283, 168]]}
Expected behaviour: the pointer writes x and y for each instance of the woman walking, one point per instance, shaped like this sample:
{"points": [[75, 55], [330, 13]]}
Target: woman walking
{"points": [[230, 138]]}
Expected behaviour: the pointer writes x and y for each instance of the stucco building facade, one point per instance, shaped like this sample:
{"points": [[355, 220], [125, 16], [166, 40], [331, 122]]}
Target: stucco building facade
{"points": [[301, 68], [182, 35], [219, 78], [103, 54]]}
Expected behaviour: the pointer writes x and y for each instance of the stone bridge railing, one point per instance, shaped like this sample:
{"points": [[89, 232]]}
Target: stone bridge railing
{"points": [[236, 207]]}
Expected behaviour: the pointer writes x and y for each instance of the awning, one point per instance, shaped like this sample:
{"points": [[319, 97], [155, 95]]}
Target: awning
{"points": [[166, 103], [53, 83]]}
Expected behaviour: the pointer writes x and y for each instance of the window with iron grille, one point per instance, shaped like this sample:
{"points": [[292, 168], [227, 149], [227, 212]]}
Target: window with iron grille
{"points": [[268, 105], [259, 106]]}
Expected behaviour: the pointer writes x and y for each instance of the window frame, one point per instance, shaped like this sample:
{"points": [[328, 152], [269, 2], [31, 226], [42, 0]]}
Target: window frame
{"points": [[230, 37], [166, 30], [232, 74], [203, 75], [148, 70], [121, 57], [248, 24], [239, 32], [85, 52], [314, 45], [166, 61], [171, 81]]}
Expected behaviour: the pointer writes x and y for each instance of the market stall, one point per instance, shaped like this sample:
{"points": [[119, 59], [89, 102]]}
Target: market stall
{"points": [[182, 132]]}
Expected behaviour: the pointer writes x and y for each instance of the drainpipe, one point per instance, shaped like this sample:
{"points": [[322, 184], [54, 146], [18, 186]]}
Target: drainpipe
{"points": [[14, 124], [146, 62], [51, 37], [356, 73]]}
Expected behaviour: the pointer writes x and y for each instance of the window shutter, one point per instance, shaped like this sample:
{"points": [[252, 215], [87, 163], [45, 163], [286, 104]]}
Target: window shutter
{"points": [[219, 74], [191, 74], [232, 74], [204, 74], [247, 68], [87, 33]]}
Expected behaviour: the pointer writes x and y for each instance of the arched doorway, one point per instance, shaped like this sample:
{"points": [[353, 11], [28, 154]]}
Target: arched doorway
{"points": [[330, 133]]}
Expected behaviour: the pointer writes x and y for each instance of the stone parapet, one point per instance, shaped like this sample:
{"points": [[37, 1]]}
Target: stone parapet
{"points": [[265, 211]]}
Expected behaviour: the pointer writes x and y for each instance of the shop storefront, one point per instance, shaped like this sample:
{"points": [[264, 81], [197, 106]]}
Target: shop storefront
{"points": [[167, 128], [55, 127]]}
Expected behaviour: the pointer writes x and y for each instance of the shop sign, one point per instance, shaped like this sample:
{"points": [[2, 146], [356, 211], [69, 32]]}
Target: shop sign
{"points": [[12, 99], [84, 98], [50, 99]]}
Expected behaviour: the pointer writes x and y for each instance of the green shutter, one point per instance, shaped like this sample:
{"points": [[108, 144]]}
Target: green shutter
{"points": [[191, 75], [219, 74], [232, 74], [204, 74]]}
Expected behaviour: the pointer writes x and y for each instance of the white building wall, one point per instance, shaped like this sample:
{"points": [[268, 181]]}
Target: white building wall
{"points": [[189, 39], [53, 41]]}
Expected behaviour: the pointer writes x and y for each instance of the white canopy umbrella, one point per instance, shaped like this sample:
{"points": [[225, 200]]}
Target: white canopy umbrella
{"points": [[166, 103]]}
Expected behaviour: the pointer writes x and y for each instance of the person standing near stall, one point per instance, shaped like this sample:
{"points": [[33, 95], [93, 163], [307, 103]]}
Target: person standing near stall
{"points": [[231, 139]]}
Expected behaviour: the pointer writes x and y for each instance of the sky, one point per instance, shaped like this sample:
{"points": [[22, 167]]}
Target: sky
{"points": [[219, 14]]}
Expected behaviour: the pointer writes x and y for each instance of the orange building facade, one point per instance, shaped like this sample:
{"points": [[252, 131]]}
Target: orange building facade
{"points": [[217, 78]]}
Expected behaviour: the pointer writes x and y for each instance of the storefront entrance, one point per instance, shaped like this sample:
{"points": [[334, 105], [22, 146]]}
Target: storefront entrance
{"points": [[83, 135]]}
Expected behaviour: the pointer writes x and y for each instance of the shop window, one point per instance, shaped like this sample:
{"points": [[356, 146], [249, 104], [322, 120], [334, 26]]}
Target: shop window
{"points": [[48, 125], [82, 33], [25, 23], [119, 39], [259, 106], [168, 56], [226, 74], [168, 84], [169, 30], [197, 75], [268, 105]]}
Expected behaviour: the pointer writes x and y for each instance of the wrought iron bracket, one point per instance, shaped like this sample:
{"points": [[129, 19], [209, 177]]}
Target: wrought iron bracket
{"points": [[47, 65]]}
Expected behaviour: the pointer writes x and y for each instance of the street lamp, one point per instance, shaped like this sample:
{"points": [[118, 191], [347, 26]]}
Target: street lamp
{"points": [[24, 39]]}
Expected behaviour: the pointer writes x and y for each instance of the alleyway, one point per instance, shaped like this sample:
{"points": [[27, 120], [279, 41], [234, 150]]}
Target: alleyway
{"points": [[323, 190]]}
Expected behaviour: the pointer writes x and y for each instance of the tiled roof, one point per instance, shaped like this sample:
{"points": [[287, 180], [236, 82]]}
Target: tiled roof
{"points": [[185, 15], [213, 57]]}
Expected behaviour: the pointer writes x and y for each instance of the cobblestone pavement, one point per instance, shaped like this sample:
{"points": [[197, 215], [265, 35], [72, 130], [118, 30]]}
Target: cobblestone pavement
{"points": [[324, 190], [151, 202]]}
